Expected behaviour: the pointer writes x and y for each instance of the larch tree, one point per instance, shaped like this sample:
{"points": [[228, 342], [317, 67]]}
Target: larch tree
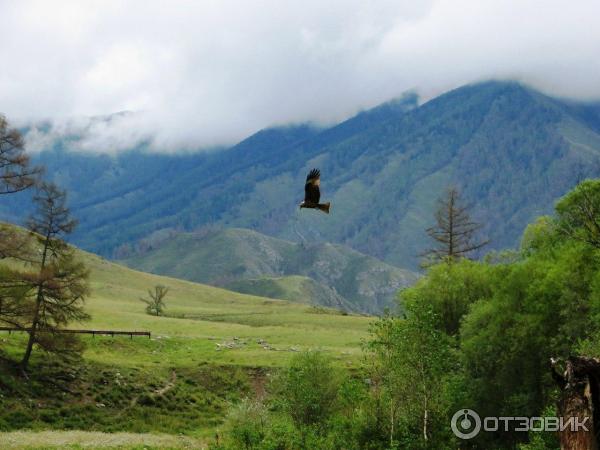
{"points": [[454, 233], [15, 245], [16, 171], [14, 289], [16, 174], [59, 283]]}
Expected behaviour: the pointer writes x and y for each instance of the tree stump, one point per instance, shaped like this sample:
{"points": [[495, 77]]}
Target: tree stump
{"points": [[579, 382]]}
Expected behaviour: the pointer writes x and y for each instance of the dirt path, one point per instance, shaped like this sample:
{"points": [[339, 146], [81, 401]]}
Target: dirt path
{"points": [[167, 387], [258, 379], [163, 390]]}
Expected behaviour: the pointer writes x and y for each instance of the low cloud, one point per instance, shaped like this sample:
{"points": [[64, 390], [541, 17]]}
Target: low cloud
{"points": [[202, 74]]}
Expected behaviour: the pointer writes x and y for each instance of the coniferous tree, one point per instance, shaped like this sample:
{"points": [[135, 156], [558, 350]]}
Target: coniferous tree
{"points": [[59, 284], [16, 172], [454, 232], [14, 288], [15, 245]]}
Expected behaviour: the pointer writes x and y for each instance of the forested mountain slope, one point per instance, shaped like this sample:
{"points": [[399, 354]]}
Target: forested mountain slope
{"points": [[511, 150]]}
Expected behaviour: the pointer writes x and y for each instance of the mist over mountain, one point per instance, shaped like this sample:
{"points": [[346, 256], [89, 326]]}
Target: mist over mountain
{"points": [[511, 150]]}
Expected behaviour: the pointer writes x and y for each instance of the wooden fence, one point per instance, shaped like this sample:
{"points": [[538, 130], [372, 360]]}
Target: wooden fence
{"points": [[131, 334]]}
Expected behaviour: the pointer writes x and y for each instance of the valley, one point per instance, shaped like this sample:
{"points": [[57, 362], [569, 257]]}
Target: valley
{"points": [[212, 347], [271, 309]]}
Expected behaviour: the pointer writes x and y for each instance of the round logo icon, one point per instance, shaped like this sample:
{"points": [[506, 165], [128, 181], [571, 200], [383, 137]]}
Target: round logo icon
{"points": [[465, 424]]}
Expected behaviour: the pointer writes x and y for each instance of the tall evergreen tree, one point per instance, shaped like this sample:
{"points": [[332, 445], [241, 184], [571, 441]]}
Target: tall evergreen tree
{"points": [[454, 233], [59, 285]]}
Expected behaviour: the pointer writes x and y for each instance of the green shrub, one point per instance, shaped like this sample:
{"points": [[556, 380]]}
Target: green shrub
{"points": [[247, 425]]}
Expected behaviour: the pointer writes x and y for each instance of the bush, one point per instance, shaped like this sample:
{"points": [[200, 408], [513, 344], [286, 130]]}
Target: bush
{"points": [[309, 389], [246, 425]]}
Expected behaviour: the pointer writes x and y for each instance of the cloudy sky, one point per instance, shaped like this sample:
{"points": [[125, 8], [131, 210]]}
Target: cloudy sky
{"points": [[203, 73]]}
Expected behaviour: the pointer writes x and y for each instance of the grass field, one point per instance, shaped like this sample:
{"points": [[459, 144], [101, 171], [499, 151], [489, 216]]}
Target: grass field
{"points": [[200, 317], [25, 440], [170, 391]]}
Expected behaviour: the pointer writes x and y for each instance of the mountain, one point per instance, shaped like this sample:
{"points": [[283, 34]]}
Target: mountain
{"points": [[510, 149], [249, 262], [294, 288]]}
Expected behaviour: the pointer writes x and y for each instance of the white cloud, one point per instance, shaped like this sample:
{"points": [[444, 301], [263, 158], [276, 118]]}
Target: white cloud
{"points": [[200, 74]]}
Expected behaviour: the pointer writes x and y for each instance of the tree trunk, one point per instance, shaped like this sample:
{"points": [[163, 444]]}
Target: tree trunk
{"points": [[392, 419], [579, 400], [36, 313], [32, 333], [425, 418]]}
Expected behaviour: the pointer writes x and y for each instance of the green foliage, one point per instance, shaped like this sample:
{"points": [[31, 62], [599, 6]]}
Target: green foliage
{"points": [[542, 440], [311, 404], [411, 360], [450, 290], [510, 315], [98, 397], [309, 389], [579, 213], [247, 424], [539, 308], [14, 300]]}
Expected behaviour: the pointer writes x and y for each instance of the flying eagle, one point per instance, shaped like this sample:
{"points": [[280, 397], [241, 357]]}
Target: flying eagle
{"points": [[312, 195]]}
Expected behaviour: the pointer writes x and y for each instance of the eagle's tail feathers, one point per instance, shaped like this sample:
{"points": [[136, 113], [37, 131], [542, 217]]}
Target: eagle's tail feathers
{"points": [[324, 207]]}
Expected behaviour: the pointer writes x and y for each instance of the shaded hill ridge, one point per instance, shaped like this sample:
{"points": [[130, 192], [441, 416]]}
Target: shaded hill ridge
{"points": [[512, 150], [249, 262]]}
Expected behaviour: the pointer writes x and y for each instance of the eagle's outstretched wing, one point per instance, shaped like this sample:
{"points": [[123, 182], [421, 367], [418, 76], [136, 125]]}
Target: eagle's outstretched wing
{"points": [[311, 188]]}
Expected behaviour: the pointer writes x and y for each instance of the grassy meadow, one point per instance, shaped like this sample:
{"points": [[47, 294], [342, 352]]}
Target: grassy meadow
{"points": [[213, 348], [200, 318]]}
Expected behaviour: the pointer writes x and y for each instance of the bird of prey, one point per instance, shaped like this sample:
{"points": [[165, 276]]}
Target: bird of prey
{"points": [[312, 195]]}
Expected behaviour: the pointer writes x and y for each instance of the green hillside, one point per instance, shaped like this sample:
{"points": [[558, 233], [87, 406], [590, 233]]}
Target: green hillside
{"points": [[250, 262], [202, 316], [212, 348], [212, 315]]}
